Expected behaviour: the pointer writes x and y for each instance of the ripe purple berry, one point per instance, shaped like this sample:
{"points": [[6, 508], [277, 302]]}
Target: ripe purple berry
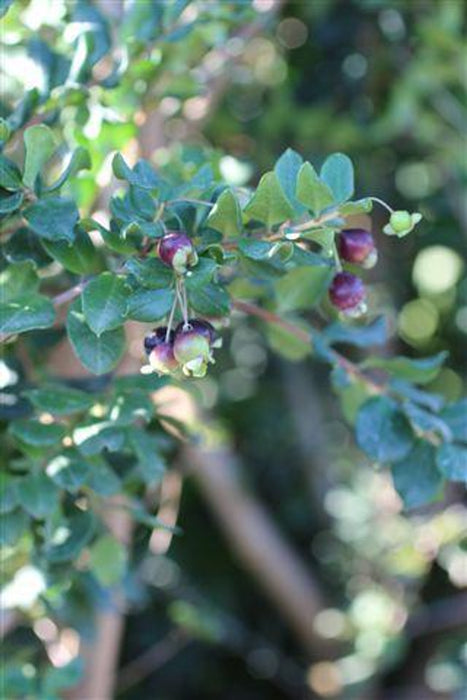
{"points": [[160, 351], [356, 245], [177, 251], [347, 293], [192, 347]]}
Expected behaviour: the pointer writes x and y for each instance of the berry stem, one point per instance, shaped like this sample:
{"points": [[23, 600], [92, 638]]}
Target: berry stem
{"points": [[383, 204], [335, 254], [339, 360], [179, 286], [171, 318]]}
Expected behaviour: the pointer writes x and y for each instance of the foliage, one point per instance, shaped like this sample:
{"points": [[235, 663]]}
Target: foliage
{"points": [[268, 250]]}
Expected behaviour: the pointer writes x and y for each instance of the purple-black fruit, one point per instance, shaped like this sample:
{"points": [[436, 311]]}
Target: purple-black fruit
{"points": [[177, 251], [160, 351], [356, 245], [347, 294]]}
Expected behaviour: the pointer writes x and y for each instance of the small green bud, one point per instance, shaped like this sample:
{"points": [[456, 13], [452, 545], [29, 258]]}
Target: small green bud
{"points": [[400, 221]]}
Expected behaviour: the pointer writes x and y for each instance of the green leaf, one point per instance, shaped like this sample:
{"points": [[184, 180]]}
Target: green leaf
{"points": [[150, 273], [149, 305], [99, 354], [37, 434], [455, 416], [105, 302], [8, 496], [150, 463], [102, 479], [337, 173], [269, 204], [17, 280], [94, 438], [210, 300], [79, 160], [26, 314], [79, 257], [142, 175], [374, 333], [360, 206], [108, 560], [68, 470], [10, 175], [226, 215], [14, 524], [11, 203], [37, 494], [287, 168], [132, 405], [287, 344], [53, 219], [352, 398], [452, 461], [419, 371], [59, 400], [302, 287], [72, 534], [425, 421], [39, 143], [416, 477], [382, 431], [311, 191]]}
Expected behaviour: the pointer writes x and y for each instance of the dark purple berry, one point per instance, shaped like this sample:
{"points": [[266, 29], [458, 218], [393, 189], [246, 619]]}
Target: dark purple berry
{"points": [[347, 293], [160, 351], [177, 251], [200, 326], [356, 245], [157, 337]]}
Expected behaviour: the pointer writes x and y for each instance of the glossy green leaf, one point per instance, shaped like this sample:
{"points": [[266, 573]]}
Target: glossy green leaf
{"points": [[150, 273], [287, 344], [71, 536], [68, 470], [18, 280], [108, 560], [59, 400], [26, 314], [419, 371], [301, 288], [311, 191], [80, 257], [79, 160], [37, 494], [11, 203], [105, 302], [455, 415], [210, 300], [14, 524], [10, 175], [226, 215], [416, 478], [39, 143], [452, 461], [382, 431], [53, 219], [148, 305], [287, 168], [150, 463], [99, 354], [338, 174], [37, 434], [269, 204]]}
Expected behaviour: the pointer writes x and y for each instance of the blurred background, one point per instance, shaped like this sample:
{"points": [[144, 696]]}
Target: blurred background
{"points": [[383, 81]]}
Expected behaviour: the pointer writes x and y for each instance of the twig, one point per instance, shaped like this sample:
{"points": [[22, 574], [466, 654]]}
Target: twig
{"points": [[305, 337], [151, 660]]}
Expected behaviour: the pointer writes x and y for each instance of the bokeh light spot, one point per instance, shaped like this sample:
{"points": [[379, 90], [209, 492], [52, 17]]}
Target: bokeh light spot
{"points": [[436, 269]]}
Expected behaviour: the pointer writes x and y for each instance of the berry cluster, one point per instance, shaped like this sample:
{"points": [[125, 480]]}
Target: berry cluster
{"points": [[189, 347], [347, 291]]}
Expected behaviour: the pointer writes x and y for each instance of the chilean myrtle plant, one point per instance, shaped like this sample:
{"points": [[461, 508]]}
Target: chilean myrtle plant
{"points": [[182, 252]]}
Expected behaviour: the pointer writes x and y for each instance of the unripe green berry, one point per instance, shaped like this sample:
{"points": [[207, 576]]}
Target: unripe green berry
{"points": [[400, 221]]}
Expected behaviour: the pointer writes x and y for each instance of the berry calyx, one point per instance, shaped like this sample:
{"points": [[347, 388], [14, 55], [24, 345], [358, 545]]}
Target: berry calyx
{"points": [[400, 221], [177, 251], [347, 294], [159, 349], [192, 347], [356, 245]]}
